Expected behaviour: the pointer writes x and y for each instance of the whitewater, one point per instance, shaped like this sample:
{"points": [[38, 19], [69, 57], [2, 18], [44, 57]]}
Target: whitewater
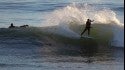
{"points": [[79, 13]]}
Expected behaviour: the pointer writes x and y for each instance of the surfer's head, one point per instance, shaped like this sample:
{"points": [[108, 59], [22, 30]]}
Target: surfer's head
{"points": [[88, 19]]}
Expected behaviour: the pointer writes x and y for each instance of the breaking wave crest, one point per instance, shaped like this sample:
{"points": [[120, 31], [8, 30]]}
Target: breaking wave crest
{"points": [[78, 14]]}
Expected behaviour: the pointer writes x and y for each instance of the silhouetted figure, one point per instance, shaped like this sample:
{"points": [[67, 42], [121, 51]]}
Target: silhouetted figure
{"points": [[11, 26], [88, 26]]}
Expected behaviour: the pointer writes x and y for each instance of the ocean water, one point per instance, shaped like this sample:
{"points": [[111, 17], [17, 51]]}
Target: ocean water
{"points": [[52, 41]]}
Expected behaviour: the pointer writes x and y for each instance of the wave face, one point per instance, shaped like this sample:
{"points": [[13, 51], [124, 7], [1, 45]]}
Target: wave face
{"points": [[79, 13]]}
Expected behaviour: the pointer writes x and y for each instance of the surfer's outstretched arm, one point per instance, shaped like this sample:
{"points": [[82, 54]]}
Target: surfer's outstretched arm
{"points": [[92, 20]]}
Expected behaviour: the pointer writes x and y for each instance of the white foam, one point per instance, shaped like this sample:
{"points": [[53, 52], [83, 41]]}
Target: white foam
{"points": [[80, 13]]}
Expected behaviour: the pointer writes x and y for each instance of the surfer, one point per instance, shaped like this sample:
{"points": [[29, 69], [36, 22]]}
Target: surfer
{"points": [[11, 26], [88, 26]]}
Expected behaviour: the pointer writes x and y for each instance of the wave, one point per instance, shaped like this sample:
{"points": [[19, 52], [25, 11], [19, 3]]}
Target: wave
{"points": [[78, 14], [68, 22]]}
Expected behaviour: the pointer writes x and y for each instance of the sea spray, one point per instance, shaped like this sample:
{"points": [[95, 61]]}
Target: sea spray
{"points": [[79, 13]]}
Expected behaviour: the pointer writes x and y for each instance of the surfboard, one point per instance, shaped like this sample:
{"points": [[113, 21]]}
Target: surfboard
{"points": [[87, 37], [83, 37]]}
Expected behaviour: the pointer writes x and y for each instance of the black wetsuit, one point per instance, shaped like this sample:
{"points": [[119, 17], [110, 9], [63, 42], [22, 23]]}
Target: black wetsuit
{"points": [[88, 26], [11, 26]]}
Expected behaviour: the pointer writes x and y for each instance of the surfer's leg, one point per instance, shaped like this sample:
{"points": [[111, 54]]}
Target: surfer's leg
{"points": [[88, 31], [83, 31]]}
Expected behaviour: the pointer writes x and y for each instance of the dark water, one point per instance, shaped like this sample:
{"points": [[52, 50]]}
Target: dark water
{"points": [[25, 54], [21, 51]]}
